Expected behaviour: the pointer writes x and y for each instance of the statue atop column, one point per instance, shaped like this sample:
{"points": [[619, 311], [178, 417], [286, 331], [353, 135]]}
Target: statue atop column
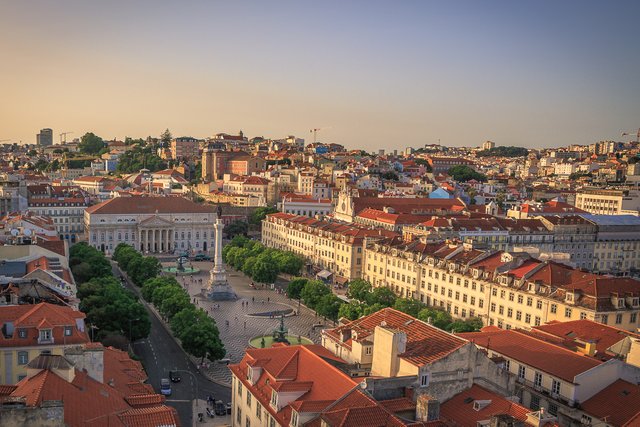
{"points": [[218, 288]]}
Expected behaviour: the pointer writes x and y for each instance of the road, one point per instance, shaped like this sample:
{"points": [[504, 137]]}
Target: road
{"points": [[160, 353]]}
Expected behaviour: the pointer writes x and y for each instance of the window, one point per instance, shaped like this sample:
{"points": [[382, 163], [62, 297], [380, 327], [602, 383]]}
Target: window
{"points": [[555, 386], [424, 379], [23, 357], [537, 321], [605, 319], [22, 333], [258, 410], [45, 335], [554, 308], [239, 415], [520, 299], [553, 409], [583, 315], [248, 399], [294, 419], [529, 301], [239, 388], [501, 310], [567, 312], [511, 296], [537, 379], [633, 318], [618, 318], [521, 371], [535, 402], [493, 306], [509, 312], [527, 318], [247, 421], [68, 330], [539, 304], [507, 365], [274, 398]]}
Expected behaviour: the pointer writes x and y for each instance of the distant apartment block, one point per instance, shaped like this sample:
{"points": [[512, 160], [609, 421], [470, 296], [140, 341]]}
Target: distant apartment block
{"points": [[45, 137]]}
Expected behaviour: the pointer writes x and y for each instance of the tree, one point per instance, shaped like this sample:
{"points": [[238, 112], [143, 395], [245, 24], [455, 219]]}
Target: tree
{"points": [[408, 305], [260, 214], [202, 339], [288, 262], [175, 302], [236, 228], [87, 262], [329, 306], [464, 173], [391, 176], [503, 151], [295, 287], [383, 296], [185, 318], [359, 289], [90, 143], [313, 291], [351, 311], [166, 138], [438, 318], [264, 270], [154, 283]]}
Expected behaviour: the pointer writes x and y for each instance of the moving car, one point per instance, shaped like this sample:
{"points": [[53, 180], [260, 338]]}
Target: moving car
{"points": [[174, 376], [165, 387]]}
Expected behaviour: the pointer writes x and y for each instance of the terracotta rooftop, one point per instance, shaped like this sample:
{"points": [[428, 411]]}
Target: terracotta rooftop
{"points": [[425, 343], [618, 404], [534, 352], [148, 205]]}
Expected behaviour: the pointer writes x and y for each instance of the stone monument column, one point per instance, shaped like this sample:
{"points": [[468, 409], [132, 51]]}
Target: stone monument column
{"points": [[218, 288]]}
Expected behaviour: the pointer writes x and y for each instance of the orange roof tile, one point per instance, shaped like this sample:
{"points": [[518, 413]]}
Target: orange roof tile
{"points": [[618, 404]]}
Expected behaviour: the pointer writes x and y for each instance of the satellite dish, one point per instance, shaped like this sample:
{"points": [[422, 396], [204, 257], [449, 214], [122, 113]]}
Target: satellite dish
{"points": [[27, 232], [14, 232]]}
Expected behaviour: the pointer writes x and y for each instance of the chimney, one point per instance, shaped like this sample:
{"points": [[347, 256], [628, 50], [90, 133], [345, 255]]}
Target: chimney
{"points": [[390, 343], [345, 334], [427, 408]]}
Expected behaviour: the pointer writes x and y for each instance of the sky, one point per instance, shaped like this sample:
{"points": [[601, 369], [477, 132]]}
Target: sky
{"points": [[371, 74]]}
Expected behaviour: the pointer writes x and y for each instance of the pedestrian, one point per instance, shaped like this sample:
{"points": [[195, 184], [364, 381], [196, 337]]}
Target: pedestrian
{"points": [[236, 319], [245, 324], [268, 299]]}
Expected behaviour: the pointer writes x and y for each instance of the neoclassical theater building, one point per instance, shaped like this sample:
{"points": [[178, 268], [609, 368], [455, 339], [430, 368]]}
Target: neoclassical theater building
{"points": [[150, 224]]}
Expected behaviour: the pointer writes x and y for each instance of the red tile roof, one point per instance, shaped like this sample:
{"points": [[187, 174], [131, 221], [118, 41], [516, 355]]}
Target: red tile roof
{"points": [[541, 355], [148, 205], [460, 408], [618, 404], [43, 315], [574, 333], [425, 343], [293, 365]]}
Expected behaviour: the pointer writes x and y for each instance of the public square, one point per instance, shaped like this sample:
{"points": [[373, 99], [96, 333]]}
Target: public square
{"points": [[237, 321]]}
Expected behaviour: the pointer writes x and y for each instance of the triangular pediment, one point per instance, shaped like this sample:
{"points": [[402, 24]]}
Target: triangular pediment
{"points": [[155, 221]]}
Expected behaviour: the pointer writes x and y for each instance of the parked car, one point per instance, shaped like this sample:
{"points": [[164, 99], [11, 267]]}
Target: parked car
{"points": [[174, 376], [202, 257], [165, 387], [220, 408]]}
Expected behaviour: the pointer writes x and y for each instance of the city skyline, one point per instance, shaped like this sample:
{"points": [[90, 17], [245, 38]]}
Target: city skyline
{"points": [[373, 74]]}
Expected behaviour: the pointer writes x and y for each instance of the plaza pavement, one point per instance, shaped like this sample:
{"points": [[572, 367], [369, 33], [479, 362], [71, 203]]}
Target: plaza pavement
{"points": [[242, 326]]}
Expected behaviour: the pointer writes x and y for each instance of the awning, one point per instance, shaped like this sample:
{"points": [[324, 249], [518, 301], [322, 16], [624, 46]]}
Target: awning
{"points": [[341, 280], [324, 274]]}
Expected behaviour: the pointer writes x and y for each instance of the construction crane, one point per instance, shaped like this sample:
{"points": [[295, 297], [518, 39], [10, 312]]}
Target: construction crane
{"points": [[64, 135], [634, 133], [315, 131]]}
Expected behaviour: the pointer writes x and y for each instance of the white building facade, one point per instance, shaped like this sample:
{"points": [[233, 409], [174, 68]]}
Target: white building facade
{"points": [[151, 225]]}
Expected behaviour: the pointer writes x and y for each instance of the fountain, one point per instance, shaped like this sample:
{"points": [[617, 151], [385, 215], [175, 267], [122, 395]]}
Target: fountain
{"points": [[278, 335], [180, 269]]}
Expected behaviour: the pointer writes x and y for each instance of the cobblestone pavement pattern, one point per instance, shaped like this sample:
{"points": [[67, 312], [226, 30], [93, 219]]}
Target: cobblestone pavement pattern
{"points": [[241, 325]]}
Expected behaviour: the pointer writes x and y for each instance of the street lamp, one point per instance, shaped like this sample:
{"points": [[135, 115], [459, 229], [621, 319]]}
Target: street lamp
{"points": [[130, 321]]}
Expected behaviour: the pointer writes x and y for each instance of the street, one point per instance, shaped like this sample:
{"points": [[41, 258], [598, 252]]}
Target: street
{"points": [[159, 354]]}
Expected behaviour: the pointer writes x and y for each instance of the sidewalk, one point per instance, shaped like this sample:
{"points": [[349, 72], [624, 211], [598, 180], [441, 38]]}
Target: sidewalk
{"points": [[199, 407]]}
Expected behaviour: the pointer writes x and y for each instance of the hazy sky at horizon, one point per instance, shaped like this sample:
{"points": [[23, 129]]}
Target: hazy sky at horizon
{"points": [[377, 74]]}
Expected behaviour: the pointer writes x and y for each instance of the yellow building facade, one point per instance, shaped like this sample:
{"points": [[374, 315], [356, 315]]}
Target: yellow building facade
{"points": [[504, 289]]}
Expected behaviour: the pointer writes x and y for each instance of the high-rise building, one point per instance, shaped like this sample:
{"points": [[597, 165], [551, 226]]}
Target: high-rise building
{"points": [[45, 137]]}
